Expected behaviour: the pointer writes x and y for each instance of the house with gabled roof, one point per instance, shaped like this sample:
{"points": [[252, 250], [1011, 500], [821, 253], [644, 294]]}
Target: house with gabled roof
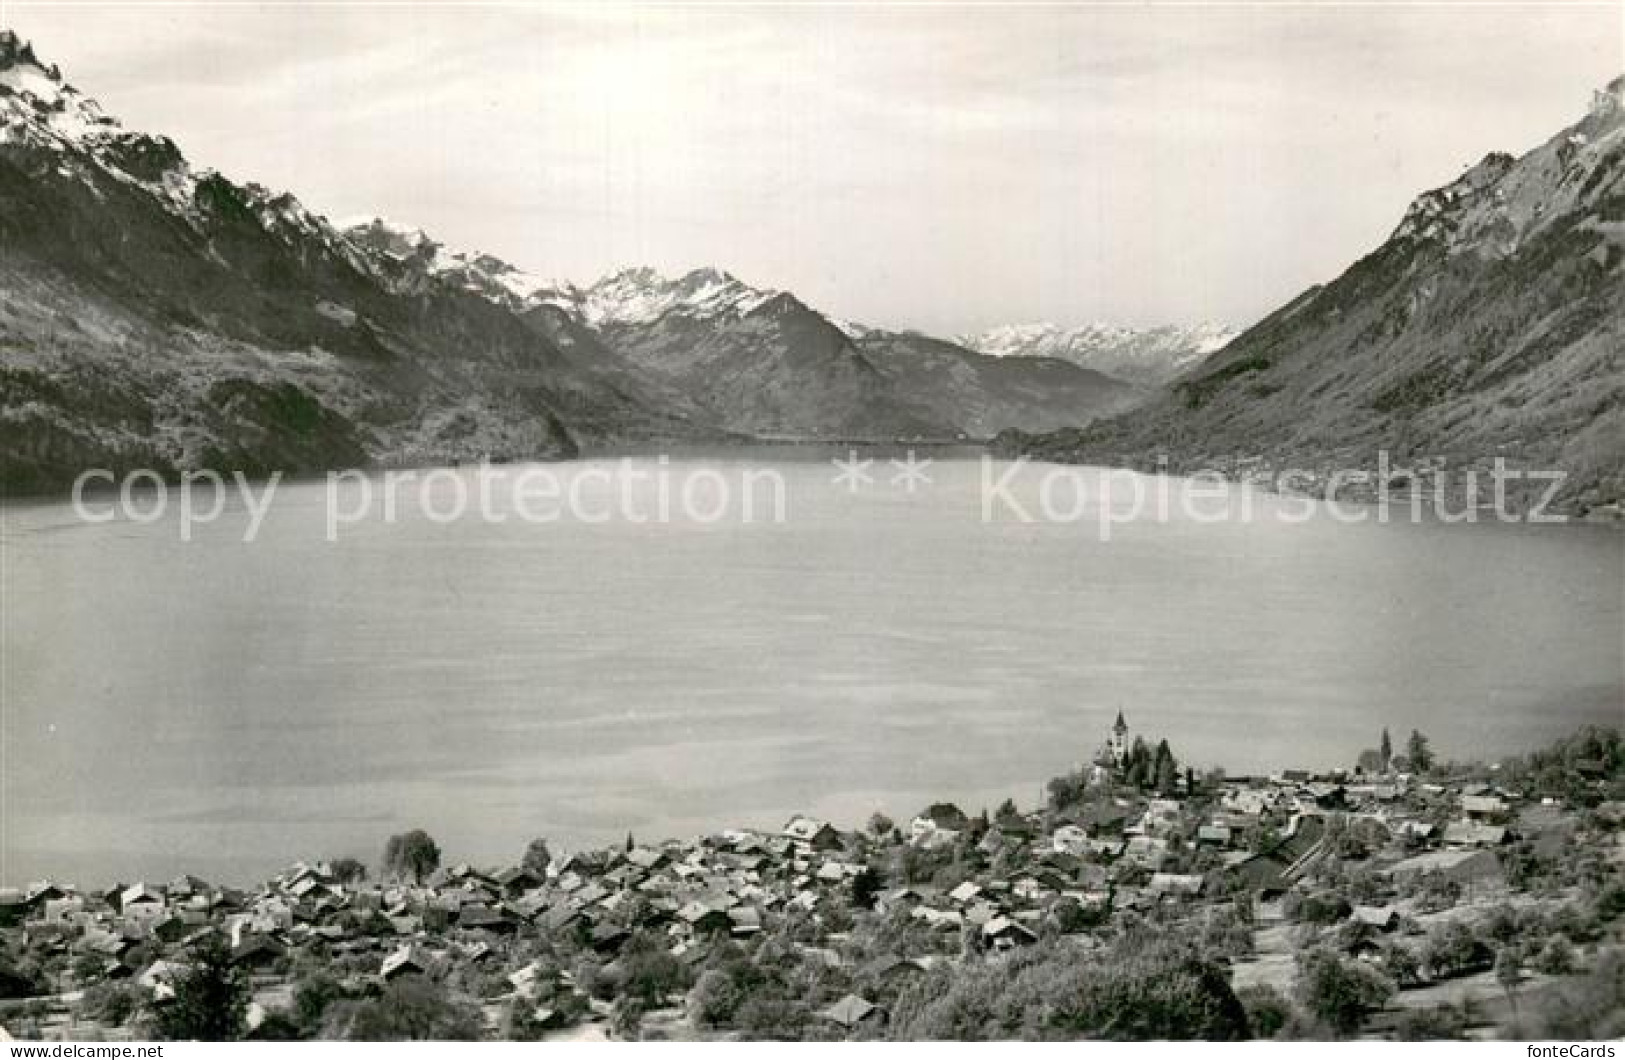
{"points": [[408, 960], [1003, 932], [811, 832]]}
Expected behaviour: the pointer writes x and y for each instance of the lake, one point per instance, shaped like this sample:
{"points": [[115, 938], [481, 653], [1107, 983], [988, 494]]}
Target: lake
{"points": [[225, 708]]}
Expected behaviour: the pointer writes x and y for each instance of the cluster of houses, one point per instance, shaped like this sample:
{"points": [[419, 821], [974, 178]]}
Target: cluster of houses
{"points": [[985, 886]]}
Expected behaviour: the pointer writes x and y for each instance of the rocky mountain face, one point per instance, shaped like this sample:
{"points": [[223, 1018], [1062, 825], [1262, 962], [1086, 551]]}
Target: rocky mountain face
{"points": [[162, 316], [159, 315], [1147, 357], [1489, 324]]}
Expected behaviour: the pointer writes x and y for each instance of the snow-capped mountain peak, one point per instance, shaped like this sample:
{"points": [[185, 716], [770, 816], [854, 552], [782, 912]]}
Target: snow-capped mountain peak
{"points": [[414, 254], [636, 295], [40, 110], [390, 237], [37, 106], [643, 295]]}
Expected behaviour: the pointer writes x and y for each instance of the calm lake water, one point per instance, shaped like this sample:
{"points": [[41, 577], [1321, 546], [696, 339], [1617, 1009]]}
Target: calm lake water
{"points": [[225, 708]]}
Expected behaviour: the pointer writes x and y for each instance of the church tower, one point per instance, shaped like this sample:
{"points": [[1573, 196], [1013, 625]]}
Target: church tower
{"points": [[1117, 742]]}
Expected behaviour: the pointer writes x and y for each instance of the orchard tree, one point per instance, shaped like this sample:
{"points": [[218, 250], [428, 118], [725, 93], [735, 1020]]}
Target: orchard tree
{"points": [[1557, 958], [411, 854], [211, 999], [537, 857], [414, 1008], [1340, 992], [349, 870]]}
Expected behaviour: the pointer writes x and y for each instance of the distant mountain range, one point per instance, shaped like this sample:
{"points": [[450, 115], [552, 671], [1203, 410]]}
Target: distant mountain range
{"points": [[1144, 356], [759, 362], [158, 315], [1491, 323]]}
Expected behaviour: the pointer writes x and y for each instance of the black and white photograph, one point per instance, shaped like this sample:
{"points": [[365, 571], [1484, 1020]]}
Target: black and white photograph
{"points": [[692, 521]]}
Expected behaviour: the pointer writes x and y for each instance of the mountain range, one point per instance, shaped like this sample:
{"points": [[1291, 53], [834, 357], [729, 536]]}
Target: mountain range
{"points": [[1490, 324], [161, 315], [1146, 357], [762, 363]]}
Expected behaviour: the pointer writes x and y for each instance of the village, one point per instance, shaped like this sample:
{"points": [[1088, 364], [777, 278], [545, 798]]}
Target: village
{"points": [[1402, 898]]}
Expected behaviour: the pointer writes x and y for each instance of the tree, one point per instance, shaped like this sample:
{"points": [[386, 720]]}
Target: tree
{"points": [[1437, 1024], [1164, 770], [1453, 949], [112, 1003], [211, 1000], [1557, 958], [1340, 992], [537, 857], [1401, 964], [414, 1009], [1508, 971], [312, 997], [349, 870], [626, 1018], [1068, 790], [1418, 752], [649, 972], [1147, 987], [1587, 1007], [880, 825], [866, 886], [1137, 765], [1386, 750], [411, 854], [713, 1000], [1267, 1010]]}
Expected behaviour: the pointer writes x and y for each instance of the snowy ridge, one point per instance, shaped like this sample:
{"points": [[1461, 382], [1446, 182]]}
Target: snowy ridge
{"points": [[1134, 354], [391, 243], [643, 295], [1495, 206], [631, 296], [37, 106], [39, 109], [1485, 327]]}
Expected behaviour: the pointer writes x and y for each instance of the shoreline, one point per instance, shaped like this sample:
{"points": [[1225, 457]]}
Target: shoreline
{"points": [[1436, 491], [1237, 888], [1436, 484], [1332, 774]]}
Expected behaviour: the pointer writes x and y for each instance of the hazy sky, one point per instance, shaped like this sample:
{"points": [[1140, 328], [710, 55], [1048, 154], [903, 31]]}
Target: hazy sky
{"points": [[942, 167]]}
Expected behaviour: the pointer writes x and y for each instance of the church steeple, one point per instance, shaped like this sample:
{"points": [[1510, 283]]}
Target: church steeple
{"points": [[1117, 741]]}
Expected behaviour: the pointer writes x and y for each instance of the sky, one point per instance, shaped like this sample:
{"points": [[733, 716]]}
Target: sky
{"points": [[940, 167]]}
